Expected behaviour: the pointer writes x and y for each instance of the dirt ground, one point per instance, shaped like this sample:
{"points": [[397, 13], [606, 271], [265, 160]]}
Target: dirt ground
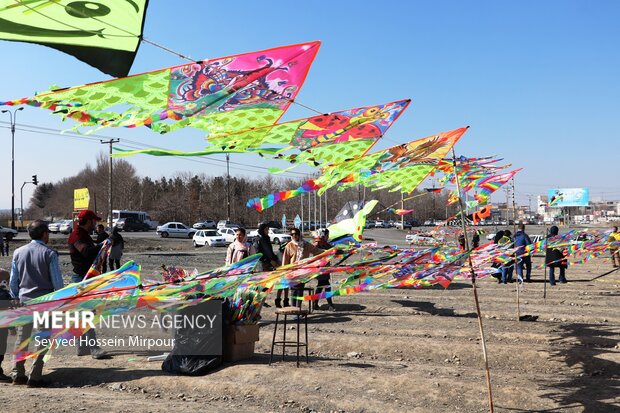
{"points": [[385, 351]]}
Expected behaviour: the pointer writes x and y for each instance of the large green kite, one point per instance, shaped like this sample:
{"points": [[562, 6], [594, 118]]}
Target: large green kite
{"points": [[104, 34]]}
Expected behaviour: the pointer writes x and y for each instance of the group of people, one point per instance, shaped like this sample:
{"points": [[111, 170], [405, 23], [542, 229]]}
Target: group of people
{"points": [[555, 258], [35, 272], [295, 250]]}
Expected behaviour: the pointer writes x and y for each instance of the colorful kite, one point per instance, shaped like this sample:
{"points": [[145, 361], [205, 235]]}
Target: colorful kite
{"points": [[399, 168], [218, 95], [319, 140], [105, 34]]}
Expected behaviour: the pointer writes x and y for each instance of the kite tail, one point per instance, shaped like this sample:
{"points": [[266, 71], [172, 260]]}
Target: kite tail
{"points": [[260, 204]]}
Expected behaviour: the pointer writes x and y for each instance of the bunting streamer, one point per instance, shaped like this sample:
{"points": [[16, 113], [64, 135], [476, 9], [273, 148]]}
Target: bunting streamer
{"points": [[374, 268]]}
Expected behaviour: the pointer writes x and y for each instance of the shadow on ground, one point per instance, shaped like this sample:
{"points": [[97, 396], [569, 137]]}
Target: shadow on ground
{"points": [[598, 385], [428, 307]]}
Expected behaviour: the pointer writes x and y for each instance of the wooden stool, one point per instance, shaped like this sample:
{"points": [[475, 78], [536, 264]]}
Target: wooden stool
{"points": [[290, 311], [310, 291]]}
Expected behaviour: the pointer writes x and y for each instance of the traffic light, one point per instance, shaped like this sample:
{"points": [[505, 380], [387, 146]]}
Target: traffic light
{"points": [[35, 180]]}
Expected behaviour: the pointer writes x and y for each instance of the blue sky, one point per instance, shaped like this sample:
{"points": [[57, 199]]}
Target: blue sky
{"points": [[537, 81]]}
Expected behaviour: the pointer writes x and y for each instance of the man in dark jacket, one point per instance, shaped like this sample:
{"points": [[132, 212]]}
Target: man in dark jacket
{"points": [[35, 272], [269, 261], [83, 252], [521, 241], [555, 258]]}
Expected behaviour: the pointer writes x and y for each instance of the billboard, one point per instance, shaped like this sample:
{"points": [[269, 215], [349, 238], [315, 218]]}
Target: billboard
{"points": [[566, 197]]}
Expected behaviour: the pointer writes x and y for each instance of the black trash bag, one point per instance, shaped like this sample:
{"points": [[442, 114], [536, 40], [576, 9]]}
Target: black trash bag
{"points": [[190, 365], [191, 354]]}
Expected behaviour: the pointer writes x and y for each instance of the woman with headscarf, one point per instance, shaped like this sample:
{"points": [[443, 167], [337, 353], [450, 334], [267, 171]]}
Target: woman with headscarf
{"points": [[240, 248], [296, 250], [555, 258]]}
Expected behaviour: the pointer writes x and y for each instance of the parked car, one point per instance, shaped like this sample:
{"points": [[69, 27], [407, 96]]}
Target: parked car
{"points": [[175, 229], [423, 239], [54, 227], [8, 233], [277, 236], [208, 237], [227, 224], [227, 233], [66, 227], [402, 225], [131, 224], [206, 224], [271, 224], [380, 224]]}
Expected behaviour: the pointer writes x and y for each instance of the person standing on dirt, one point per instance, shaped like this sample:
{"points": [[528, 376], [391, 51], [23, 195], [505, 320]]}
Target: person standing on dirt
{"points": [[102, 236], [461, 240], [83, 252], [508, 267], [522, 240], [35, 272], [6, 302], [239, 249], [323, 280], [615, 250], [116, 250], [269, 261], [295, 251], [475, 240], [555, 258]]}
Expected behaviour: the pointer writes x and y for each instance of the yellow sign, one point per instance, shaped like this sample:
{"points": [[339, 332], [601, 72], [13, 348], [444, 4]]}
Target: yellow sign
{"points": [[81, 198]]}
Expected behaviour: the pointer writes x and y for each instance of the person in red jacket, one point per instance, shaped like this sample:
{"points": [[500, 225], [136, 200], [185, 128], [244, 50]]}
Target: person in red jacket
{"points": [[83, 252]]}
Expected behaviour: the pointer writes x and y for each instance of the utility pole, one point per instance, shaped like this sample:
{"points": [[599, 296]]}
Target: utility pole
{"points": [[13, 116], [110, 142], [402, 206], [228, 187]]}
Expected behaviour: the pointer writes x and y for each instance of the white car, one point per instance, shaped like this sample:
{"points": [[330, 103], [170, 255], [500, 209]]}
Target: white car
{"points": [[8, 233], [66, 227], [277, 236], [208, 237], [379, 224], [227, 224], [228, 234], [206, 224], [54, 227], [175, 229]]}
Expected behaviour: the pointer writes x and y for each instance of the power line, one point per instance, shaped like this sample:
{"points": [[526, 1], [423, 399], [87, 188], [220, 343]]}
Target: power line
{"points": [[139, 145]]}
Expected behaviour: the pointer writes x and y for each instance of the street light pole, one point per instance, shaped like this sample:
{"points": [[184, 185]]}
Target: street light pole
{"points": [[13, 116], [21, 198]]}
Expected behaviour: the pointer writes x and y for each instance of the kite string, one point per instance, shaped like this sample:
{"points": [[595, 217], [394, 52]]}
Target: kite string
{"points": [[182, 56]]}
